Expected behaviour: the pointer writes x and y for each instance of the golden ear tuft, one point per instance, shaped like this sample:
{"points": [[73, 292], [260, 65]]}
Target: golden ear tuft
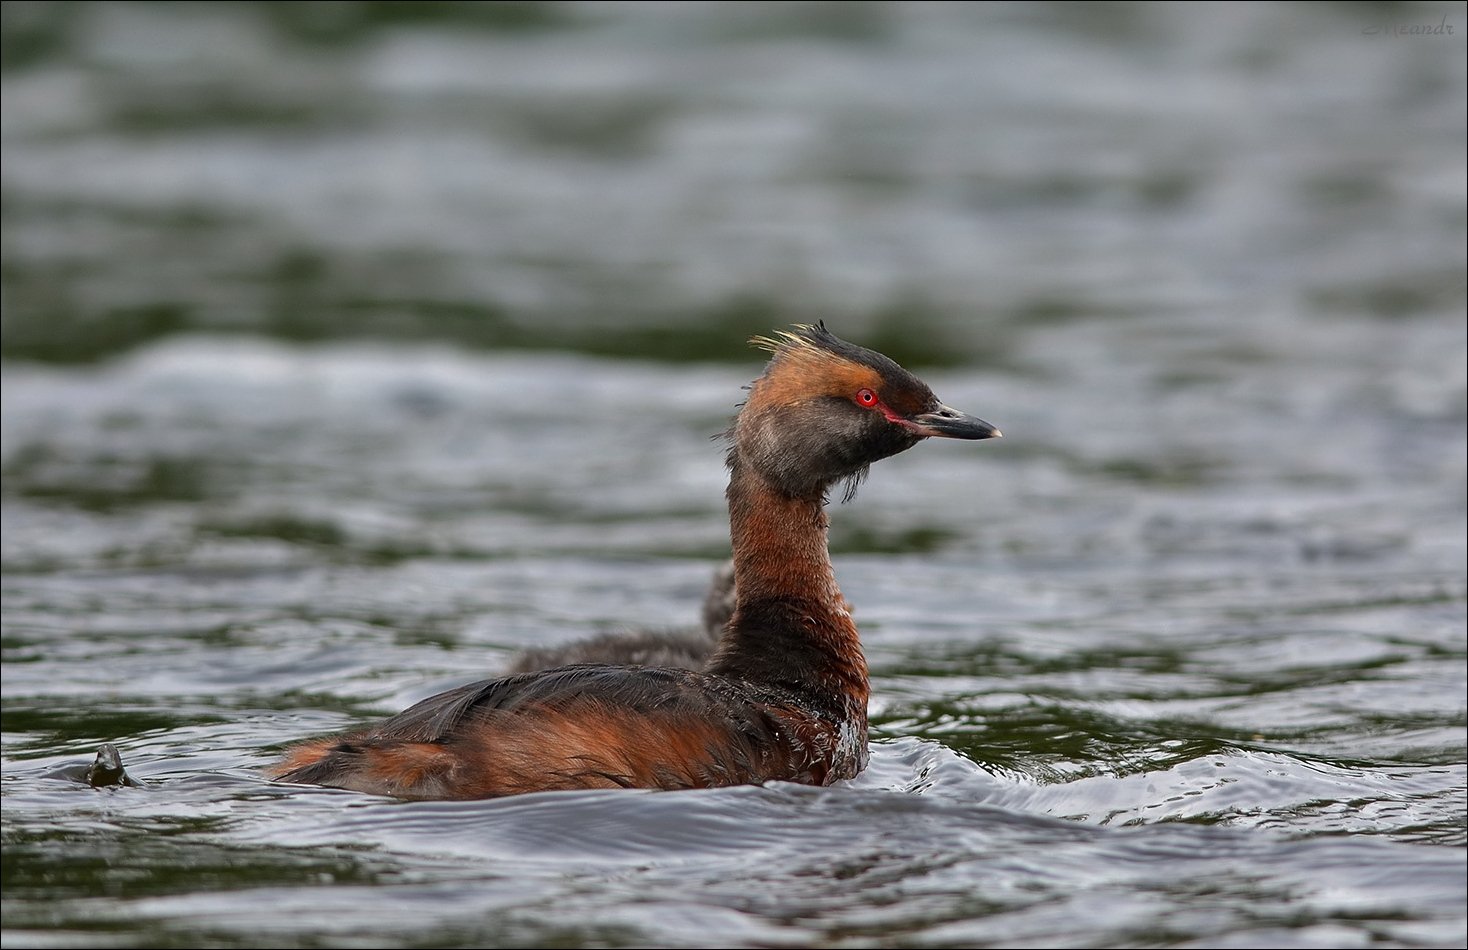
{"points": [[797, 336]]}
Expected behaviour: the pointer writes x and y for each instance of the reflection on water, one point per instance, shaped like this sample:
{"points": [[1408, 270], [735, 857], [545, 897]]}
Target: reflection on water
{"points": [[351, 348]]}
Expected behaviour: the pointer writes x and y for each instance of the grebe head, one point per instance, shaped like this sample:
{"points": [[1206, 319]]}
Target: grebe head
{"points": [[824, 410]]}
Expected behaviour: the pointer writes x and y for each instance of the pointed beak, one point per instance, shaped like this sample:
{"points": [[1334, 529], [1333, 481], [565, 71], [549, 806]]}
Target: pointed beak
{"points": [[947, 423]]}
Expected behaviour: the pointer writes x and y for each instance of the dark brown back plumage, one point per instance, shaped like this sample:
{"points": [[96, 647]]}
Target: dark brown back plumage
{"points": [[679, 649]]}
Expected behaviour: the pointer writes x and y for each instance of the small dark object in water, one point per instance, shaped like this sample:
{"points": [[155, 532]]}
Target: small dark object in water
{"points": [[108, 772], [678, 649]]}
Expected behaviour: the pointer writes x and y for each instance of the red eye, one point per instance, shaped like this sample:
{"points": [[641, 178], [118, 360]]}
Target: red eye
{"points": [[865, 397]]}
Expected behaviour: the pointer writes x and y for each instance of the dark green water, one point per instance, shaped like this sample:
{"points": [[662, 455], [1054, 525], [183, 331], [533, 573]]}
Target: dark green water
{"points": [[350, 348]]}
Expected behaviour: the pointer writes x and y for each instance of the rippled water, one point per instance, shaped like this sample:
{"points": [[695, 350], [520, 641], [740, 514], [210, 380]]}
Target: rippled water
{"points": [[349, 350]]}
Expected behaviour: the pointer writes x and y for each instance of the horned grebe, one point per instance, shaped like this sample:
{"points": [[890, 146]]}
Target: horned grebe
{"points": [[785, 693]]}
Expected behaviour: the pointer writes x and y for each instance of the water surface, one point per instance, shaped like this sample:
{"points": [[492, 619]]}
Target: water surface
{"points": [[348, 352]]}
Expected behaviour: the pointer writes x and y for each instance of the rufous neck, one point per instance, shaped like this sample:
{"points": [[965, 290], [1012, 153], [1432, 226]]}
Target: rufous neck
{"points": [[780, 549], [791, 625]]}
